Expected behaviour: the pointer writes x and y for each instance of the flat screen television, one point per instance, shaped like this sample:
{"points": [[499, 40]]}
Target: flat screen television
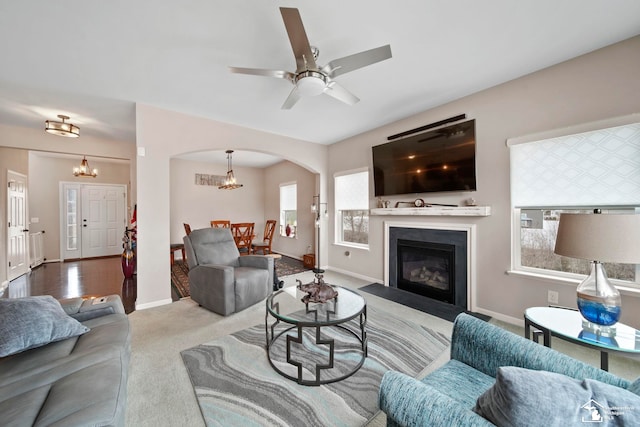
{"points": [[442, 159]]}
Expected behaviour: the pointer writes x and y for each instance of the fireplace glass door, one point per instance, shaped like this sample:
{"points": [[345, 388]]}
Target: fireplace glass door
{"points": [[426, 268]]}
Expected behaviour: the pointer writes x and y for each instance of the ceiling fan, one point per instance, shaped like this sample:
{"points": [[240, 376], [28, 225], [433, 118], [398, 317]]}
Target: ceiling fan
{"points": [[309, 79]]}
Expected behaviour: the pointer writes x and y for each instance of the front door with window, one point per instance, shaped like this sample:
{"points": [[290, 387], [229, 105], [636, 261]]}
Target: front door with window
{"points": [[94, 220]]}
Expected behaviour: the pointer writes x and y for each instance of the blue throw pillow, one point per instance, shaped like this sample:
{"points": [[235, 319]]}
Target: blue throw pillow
{"points": [[523, 397], [31, 322]]}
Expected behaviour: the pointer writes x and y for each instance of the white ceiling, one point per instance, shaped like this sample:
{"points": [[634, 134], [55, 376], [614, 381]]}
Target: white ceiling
{"points": [[94, 60]]}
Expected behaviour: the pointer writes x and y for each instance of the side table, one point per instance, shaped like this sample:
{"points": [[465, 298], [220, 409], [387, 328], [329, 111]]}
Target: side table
{"points": [[174, 248], [567, 324], [277, 283], [309, 261]]}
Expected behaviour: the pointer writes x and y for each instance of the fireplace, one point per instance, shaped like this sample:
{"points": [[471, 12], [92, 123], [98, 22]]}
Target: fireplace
{"points": [[427, 269], [429, 262]]}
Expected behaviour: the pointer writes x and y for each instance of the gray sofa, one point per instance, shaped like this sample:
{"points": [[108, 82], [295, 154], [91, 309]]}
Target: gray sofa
{"points": [[495, 375], [220, 279], [77, 381]]}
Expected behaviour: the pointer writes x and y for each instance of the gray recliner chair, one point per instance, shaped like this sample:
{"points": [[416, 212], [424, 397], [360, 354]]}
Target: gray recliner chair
{"points": [[219, 278]]}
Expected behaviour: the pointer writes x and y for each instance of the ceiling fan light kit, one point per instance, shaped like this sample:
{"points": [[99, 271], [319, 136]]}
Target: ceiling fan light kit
{"points": [[310, 79], [311, 83], [62, 128]]}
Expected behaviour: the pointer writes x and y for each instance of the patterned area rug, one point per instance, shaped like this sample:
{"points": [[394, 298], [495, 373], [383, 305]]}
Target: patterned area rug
{"points": [[235, 385], [180, 278], [285, 266]]}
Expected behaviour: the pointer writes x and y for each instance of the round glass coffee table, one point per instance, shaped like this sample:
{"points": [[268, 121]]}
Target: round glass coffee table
{"points": [[316, 343]]}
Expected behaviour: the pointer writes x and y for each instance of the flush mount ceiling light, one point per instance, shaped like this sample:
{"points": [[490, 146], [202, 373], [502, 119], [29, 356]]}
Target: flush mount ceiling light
{"points": [[230, 181], [84, 169], [62, 128]]}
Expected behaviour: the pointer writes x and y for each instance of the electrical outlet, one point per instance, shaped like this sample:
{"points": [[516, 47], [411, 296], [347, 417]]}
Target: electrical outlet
{"points": [[552, 297]]}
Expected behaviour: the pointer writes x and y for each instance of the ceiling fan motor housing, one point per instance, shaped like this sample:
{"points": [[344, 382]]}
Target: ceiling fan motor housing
{"points": [[311, 83]]}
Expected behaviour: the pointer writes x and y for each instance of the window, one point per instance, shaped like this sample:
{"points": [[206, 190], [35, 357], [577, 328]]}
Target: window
{"points": [[352, 208], [538, 230], [288, 209], [575, 172]]}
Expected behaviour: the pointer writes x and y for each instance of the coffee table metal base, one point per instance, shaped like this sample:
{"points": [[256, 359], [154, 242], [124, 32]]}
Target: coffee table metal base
{"points": [[297, 338]]}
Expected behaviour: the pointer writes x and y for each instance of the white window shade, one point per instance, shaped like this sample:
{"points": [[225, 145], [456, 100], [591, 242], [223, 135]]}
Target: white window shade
{"points": [[288, 197], [352, 191], [595, 168]]}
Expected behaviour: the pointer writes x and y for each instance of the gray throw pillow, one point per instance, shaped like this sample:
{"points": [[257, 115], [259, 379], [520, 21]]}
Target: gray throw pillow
{"points": [[523, 397], [31, 322]]}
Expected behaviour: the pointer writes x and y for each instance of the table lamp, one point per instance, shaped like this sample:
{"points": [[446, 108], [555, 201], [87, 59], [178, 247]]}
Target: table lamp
{"points": [[599, 238]]}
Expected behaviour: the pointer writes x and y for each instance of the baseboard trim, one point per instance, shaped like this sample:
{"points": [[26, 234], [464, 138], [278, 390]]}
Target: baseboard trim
{"points": [[299, 258], [501, 317], [153, 304], [350, 273]]}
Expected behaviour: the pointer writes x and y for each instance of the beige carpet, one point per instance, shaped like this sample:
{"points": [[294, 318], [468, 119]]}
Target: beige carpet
{"points": [[159, 389]]}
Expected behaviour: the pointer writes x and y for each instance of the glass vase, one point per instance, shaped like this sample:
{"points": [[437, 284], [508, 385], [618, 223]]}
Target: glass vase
{"points": [[598, 300]]}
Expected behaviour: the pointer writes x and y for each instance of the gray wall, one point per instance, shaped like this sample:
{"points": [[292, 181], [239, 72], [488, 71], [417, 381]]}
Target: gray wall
{"points": [[596, 86], [46, 172], [197, 205], [285, 172], [15, 143]]}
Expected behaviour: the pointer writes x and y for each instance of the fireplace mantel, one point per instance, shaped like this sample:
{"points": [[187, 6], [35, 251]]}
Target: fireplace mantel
{"points": [[435, 211]]}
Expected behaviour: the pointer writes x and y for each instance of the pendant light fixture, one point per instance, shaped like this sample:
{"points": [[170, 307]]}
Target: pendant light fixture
{"points": [[84, 169], [62, 128], [230, 181]]}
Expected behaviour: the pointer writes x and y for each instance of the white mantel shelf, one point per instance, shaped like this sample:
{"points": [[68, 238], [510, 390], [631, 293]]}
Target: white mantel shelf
{"points": [[435, 211]]}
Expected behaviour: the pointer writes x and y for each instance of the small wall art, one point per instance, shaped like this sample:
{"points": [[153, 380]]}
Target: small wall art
{"points": [[206, 179]]}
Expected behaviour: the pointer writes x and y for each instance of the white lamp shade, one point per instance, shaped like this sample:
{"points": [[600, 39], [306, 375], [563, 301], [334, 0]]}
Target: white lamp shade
{"points": [[599, 237]]}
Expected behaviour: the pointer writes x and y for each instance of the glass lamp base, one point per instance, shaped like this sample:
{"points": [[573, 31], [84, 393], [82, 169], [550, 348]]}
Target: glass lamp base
{"points": [[599, 331], [598, 313], [598, 300]]}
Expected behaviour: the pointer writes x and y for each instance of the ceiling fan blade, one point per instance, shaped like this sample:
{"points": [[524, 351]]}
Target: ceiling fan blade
{"points": [[357, 60], [298, 38], [293, 97], [263, 72], [338, 92]]}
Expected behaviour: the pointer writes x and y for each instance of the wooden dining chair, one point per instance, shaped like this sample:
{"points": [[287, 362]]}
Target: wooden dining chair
{"points": [[265, 245], [243, 236], [221, 223], [187, 228]]}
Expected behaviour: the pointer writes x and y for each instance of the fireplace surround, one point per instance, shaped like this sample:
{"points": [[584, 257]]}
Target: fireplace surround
{"points": [[431, 260]]}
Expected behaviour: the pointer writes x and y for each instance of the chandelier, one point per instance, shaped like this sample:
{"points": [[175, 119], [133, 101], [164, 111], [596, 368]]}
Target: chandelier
{"points": [[62, 128], [84, 169], [230, 180]]}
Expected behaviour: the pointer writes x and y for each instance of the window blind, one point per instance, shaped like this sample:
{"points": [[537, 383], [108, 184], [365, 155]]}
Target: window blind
{"points": [[595, 168], [288, 197], [352, 191]]}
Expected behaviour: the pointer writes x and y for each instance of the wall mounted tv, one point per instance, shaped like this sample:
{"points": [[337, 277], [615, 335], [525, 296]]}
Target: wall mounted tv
{"points": [[443, 159]]}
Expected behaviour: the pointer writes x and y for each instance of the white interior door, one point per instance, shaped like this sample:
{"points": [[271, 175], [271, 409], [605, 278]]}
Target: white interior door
{"points": [[17, 233], [94, 220]]}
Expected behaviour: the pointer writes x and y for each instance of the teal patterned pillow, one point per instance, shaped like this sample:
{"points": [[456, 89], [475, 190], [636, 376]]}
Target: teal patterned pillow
{"points": [[523, 397], [31, 322]]}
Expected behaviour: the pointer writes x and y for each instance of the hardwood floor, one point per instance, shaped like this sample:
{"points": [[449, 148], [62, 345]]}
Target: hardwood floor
{"points": [[83, 278]]}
